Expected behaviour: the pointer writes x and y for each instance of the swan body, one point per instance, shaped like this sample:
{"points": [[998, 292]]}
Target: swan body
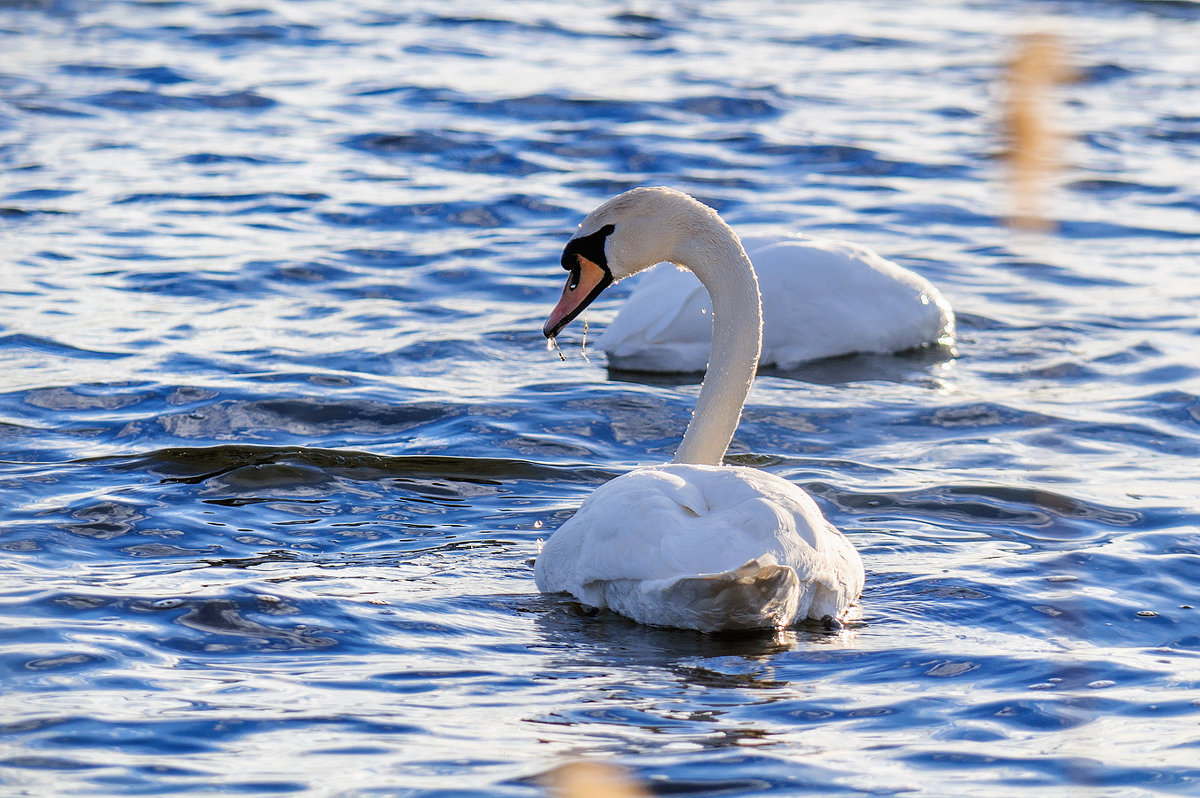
{"points": [[703, 547], [693, 544], [820, 298]]}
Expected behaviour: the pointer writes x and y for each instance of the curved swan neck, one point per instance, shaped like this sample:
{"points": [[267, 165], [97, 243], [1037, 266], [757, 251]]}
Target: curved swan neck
{"points": [[715, 255]]}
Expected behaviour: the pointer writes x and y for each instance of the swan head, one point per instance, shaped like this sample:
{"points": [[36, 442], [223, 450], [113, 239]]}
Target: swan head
{"points": [[628, 233]]}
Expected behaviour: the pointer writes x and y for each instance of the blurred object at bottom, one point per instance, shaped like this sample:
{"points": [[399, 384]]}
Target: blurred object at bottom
{"points": [[592, 780]]}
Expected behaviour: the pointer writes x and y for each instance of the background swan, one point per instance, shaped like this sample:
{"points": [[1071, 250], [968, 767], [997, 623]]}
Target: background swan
{"points": [[693, 544], [820, 298]]}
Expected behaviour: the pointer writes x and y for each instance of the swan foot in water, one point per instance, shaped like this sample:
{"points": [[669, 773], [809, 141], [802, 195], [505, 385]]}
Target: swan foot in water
{"points": [[832, 624], [759, 595]]}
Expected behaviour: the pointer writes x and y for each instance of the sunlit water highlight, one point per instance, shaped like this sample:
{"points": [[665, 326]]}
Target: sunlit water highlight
{"points": [[281, 432]]}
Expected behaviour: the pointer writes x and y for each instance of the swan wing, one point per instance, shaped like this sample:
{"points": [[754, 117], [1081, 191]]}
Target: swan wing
{"points": [[702, 547], [821, 298]]}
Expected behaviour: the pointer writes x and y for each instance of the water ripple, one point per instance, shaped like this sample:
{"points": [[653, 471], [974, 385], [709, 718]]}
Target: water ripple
{"points": [[282, 436]]}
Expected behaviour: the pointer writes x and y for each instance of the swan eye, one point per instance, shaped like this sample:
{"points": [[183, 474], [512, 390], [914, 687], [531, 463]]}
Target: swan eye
{"points": [[573, 279]]}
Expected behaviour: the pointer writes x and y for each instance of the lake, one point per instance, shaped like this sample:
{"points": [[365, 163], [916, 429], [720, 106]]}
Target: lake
{"points": [[281, 433]]}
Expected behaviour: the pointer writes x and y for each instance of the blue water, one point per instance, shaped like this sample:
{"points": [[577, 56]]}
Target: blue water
{"points": [[280, 431]]}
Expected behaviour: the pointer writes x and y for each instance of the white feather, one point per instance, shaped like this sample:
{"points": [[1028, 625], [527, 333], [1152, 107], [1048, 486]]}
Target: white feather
{"points": [[696, 544], [702, 547], [820, 298]]}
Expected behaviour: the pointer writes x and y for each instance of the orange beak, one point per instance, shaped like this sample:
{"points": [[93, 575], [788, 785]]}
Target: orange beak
{"points": [[584, 283]]}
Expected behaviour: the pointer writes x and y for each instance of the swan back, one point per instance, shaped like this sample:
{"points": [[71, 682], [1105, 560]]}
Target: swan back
{"points": [[821, 298], [648, 538]]}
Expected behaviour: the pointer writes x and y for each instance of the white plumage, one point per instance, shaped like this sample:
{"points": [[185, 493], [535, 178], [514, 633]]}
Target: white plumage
{"points": [[820, 298], [703, 547], [693, 544]]}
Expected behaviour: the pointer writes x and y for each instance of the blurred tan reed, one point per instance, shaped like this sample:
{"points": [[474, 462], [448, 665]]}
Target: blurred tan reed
{"points": [[1034, 143], [592, 780]]}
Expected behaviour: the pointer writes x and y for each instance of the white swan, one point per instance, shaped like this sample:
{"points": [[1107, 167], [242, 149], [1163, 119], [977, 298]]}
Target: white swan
{"points": [[820, 298], [693, 544]]}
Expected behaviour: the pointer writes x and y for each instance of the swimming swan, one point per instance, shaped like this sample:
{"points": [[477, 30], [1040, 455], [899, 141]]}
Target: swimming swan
{"points": [[693, 544], [820, 298]]}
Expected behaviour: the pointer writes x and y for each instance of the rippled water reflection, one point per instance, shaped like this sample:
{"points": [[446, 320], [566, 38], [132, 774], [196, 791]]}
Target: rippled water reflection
{"points": [[281, 434]]}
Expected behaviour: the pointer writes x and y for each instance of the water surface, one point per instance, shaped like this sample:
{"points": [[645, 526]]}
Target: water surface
{"points": [[280, 432]]}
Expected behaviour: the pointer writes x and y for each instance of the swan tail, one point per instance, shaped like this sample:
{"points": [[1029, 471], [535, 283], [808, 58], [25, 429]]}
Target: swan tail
{"points": [[759, 595]]}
